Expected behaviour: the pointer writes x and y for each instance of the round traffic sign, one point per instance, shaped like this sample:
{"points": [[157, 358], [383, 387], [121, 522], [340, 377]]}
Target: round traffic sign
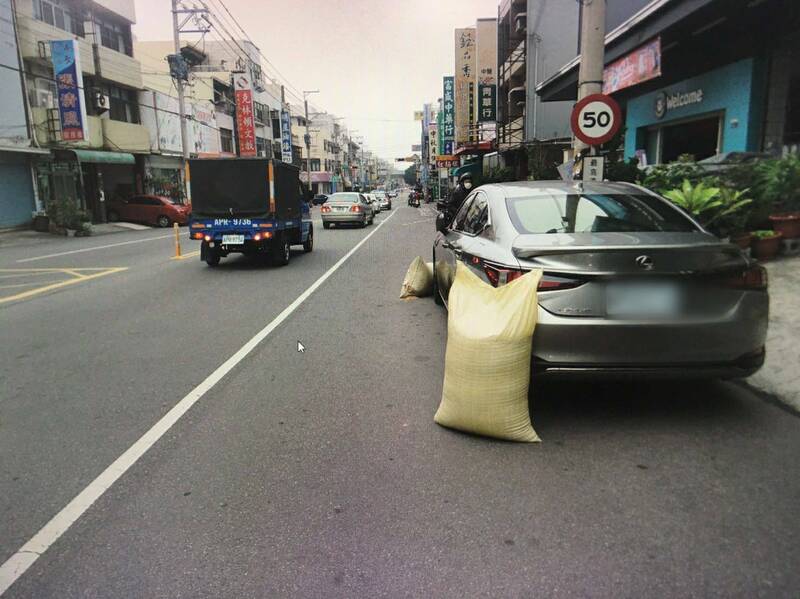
{"points": [[596, 119]]}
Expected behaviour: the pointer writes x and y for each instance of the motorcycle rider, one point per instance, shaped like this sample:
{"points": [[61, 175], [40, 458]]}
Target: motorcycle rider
{"points": [[458, 195]]}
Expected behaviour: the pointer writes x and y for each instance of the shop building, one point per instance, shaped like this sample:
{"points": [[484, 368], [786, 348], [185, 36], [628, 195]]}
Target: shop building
{"points": [[699, 77], [17, 154], [108, 158]]}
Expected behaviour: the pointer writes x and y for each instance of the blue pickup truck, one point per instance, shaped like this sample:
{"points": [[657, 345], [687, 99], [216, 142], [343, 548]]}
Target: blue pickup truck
{"points": [[248, 206]]}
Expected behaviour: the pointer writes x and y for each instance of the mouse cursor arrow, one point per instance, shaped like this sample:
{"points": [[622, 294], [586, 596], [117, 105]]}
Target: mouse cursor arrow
{"points": [[301, 348]]}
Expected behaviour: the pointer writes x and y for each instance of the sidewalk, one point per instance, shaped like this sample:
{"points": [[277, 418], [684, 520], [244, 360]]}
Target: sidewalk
{"points": [[23, 237], [780, 375]]}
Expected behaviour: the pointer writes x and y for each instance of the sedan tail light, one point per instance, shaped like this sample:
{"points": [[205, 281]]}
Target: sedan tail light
{"points": [[753, 278], [355, 209], [325, 208], [502, 276]]}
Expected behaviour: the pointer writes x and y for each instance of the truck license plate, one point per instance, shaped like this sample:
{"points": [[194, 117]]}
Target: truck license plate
{"points": [[233, 239]]}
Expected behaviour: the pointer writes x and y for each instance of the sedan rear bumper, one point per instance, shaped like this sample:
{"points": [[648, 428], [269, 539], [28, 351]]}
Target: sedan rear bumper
{"points": [[730, 345], [739, 368], [353, 217]]}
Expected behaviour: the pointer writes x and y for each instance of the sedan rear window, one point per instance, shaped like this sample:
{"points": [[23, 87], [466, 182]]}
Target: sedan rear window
{"points": [[343, 197], [595, 213]]}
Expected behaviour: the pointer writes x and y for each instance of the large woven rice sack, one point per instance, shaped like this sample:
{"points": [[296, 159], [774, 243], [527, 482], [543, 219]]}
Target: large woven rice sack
{"points": [[487, 364], [419, 279]]}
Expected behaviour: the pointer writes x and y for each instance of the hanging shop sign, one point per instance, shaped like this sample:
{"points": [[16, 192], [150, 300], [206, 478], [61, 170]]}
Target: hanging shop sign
{"points": [[446, 161], [286, 135], [596, 119], [465, 65], [448, 108], [69, 85], [245, 121], [487, 109], [641, 65]]}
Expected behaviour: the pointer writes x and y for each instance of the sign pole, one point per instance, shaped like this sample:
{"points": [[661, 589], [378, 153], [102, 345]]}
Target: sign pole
{"points": [[590, 74]]}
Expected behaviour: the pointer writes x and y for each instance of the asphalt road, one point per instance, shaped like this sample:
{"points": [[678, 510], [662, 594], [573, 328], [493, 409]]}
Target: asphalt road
{"points": [[322, 473]]}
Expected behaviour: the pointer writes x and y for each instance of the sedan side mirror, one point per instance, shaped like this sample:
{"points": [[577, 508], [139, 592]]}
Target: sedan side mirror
{"points": [[441, 222]]}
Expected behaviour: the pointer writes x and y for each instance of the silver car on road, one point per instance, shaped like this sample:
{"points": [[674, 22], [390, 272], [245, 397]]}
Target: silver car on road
{"points": [[346, 208], [632, 285]]}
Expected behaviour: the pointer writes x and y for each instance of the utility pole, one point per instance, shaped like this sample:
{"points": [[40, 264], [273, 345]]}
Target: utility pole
{"points": [[176, 34], [307, 137], [593, 33]]}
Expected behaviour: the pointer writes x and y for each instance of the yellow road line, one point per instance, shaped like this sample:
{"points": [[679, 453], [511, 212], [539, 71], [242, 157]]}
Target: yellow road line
{"points": [[24, 273], [34, 270], [186, 255], [17, 285], [46, 288]]}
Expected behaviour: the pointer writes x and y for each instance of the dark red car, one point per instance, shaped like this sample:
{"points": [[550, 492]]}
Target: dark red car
{"points": [[149, 209]]}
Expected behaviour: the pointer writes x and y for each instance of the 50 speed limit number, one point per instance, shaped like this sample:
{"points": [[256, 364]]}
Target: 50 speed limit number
{"points": [[596, 119]]}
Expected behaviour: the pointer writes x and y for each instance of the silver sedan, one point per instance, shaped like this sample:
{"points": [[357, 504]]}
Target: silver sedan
{"points": [[632, 285], [346, 208]]}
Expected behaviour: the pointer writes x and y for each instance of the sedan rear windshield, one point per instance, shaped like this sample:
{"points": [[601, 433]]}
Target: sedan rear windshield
{"points": [[595, 213], [343, 197]]}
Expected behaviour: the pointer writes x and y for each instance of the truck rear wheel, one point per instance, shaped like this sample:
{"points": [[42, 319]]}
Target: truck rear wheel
{"points": [[212, 258], [308, 245], [282, 252]]}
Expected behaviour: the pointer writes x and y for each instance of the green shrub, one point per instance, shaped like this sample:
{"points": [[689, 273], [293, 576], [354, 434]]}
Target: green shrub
{"points": [[764, 234], [779, 183], [711, 205]]}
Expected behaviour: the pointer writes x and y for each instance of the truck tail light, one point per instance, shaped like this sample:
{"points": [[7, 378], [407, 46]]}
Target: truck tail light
{"points": [[207, 237], [197, 235]]}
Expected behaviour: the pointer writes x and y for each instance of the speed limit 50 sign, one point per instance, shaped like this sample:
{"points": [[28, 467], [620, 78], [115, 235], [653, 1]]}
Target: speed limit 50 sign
{"points": [[596, 119]]}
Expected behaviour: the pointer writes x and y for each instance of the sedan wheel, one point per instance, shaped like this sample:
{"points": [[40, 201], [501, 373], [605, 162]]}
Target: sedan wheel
{"points": [[163, 221]]}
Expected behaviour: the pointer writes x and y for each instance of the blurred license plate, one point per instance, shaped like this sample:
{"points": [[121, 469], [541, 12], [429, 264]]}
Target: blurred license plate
{"points": [[643, 300], [233, 239], [340, 208]]}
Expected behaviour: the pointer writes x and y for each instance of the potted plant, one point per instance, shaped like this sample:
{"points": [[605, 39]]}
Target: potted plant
{"points": [[41, 222], [732, 220], [781, 189], [765, 244], [710, 205]]}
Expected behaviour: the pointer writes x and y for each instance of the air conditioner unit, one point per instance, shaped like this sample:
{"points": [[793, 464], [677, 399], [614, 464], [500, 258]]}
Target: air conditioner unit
{"points": [[100, 101], [44, 98]]}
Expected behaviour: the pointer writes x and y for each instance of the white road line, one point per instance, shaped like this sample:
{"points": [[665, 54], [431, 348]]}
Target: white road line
{"points": [[93, 248], [26, 556]]}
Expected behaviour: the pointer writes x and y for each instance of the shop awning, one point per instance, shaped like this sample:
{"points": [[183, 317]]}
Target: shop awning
{"points": [[104, 157]]}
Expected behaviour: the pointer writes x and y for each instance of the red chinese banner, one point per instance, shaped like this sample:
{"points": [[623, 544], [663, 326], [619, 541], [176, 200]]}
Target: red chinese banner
{"points": [[642, 64], [245, 121]]}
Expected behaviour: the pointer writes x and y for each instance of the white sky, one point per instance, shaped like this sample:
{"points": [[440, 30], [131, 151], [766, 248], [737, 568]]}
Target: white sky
{"points": [[374, 61]]}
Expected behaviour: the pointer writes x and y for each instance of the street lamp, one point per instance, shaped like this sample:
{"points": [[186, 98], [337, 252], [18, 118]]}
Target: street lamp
{"points": [[307, 137]]}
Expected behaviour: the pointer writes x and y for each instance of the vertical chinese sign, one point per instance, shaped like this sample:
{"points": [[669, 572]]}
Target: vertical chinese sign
{"points": [[69, 84], [486, 66], [487, 107], [245, 121], [448, 133], [464, 81], [286, 135]]}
